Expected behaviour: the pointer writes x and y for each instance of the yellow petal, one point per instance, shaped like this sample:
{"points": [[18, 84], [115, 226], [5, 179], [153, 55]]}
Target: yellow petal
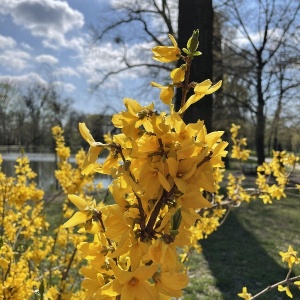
{"points": [[214, 88], [175, 281], [112, 289], [194, 199], [213, 137], [132, 106], [145, 272], [90, 159], [78, 218], [154, 84], [78, 201], [164, 182], [181, 184], [192, 99], [84, 131], [122, 275], [177, 75], [173, 40], [166, 95], [141, 290], [202, 87], [173, 166]]}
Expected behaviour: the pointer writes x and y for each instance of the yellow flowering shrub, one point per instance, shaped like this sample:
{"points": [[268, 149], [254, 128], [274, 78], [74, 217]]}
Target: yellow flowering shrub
{"points": [[34, 262], [163, 172], [166, 182]]}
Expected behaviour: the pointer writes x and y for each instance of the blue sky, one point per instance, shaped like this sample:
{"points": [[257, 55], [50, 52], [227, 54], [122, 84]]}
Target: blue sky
{"points": [[49, 40]]}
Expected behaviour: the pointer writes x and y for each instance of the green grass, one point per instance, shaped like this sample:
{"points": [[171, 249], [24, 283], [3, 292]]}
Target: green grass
{"points": [[244, 252], [54, 212]]}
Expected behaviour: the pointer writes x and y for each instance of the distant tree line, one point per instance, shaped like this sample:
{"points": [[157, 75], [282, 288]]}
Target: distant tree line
{"points": [[255, 51], [27, 114]]}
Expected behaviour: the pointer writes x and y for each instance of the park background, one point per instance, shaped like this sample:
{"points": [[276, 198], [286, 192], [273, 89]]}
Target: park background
{"points": [[253, 46]]}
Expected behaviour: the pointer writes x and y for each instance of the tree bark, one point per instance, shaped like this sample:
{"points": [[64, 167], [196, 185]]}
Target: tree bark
{"points": [[260, 116], [195, 14]]}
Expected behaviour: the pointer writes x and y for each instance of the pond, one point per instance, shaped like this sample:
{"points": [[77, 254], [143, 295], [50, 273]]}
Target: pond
{"points": [[44, 164]]}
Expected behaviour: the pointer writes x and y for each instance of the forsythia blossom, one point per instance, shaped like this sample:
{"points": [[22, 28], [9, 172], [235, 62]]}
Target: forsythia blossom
{"points": [[162, 170], [244, 294]]}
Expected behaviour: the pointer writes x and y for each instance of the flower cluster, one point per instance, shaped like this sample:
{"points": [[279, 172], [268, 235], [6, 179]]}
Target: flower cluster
{"points": [[31, 259], [20, 221], [69, 177], [163, 171], [238, 151], [272, 177]]}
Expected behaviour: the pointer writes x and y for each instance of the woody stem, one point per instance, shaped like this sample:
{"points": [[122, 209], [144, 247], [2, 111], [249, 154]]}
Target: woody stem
{"points": [[186, 86]]}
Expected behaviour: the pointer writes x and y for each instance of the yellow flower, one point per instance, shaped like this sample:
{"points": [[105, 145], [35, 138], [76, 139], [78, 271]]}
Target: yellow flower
{"points": [[85, 213], [167, 53], [201, 89], [115, 222], [4, 263], [92, 283], [244, 294], [178, 74], [285, 289], [94, 151], [290, 257], [181, 171], [135, 116], [163, 254], [276, 192], [171, 284], [167, 92], [131, 285]]}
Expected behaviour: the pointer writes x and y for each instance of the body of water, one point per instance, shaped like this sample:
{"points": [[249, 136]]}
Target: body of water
{"points": [[44, 164]]}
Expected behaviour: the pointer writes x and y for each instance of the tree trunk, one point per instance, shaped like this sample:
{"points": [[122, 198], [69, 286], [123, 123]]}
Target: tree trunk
{"points": [[260, 135], [195, 14], [260, 117]]}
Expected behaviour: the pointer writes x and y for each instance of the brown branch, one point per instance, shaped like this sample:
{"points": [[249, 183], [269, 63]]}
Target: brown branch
{"points": [[142, 215], [186, 85], [270, 287], [159, 205]]}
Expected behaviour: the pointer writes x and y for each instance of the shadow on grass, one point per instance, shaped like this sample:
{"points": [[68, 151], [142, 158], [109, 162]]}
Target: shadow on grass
{"points": [[237, 259]]}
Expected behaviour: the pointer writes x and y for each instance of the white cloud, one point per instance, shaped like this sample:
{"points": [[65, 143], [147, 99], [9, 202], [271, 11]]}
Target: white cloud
{"points": [[46, 59], [98, 61], [29, 78], [7, 42], [14, 59], [26, 46], [66, 87], [48, 19], [34, 78], [66, 71]]}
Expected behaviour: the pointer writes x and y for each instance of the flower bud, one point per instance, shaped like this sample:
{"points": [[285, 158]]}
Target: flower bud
{"points": [[193, 42]]}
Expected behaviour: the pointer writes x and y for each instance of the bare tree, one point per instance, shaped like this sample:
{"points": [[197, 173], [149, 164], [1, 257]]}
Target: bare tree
{"points": [[130, 28], [10, 113], [263, 28], [44, 108], [147, 23], [287, 85]]}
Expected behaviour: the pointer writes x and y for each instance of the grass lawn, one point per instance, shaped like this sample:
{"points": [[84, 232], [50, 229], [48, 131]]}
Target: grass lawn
{"points": [[244, 252]]}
